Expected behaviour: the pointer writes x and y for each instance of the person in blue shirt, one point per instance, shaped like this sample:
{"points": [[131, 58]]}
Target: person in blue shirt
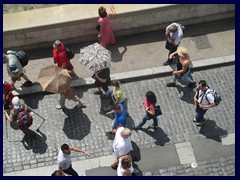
{"points": [[120, 117]]}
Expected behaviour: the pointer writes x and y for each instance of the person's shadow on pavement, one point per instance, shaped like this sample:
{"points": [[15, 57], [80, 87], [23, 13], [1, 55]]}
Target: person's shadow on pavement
{"points": [[158, 134], [130, 122], [116, 54], [186, 94], [136, 157], [35, 141], [77, 125], [212, 131]]}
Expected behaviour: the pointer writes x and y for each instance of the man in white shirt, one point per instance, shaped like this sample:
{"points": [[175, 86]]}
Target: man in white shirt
{"points": [[121, 144], [203, 101], [64, 159], [174, 34]]}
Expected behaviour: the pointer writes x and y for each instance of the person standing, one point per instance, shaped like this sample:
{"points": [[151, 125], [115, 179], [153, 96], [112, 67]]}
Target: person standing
{"points": [[121, 144], [149, 104], [203, 101], [102, 80], [182, 70], [15, 69], [120, 117], [174, 34], [60, 57], [105, 34], [64, 159]]}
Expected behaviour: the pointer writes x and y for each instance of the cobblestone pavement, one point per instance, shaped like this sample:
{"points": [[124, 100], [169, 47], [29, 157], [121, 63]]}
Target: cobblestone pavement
{"points": [[86, 128]]}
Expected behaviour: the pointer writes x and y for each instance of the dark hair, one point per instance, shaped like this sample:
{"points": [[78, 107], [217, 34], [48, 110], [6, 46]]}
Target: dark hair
{"points": [[116, 83], [64, 147], [203, 82], [102, 12], [57, 173], [151, 97], [116, 107]]}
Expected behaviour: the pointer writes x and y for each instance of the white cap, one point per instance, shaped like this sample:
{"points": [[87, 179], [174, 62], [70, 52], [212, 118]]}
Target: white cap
{"points": [[15, 101]]}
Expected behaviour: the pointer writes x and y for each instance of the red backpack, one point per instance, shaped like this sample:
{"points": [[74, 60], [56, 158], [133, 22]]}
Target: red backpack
{"points": [[25, 120]]}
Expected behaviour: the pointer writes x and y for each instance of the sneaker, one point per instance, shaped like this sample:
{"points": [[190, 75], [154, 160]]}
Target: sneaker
{"points": [[171, 84], [194, 120], [152, 126], [166, 63], [28, 83], [60, 107], [97, 92], [201, 122]]}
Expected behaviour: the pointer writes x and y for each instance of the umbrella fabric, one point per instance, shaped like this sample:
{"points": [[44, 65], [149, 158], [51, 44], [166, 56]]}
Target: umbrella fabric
{"points": [[95, 57], [54, 79]]}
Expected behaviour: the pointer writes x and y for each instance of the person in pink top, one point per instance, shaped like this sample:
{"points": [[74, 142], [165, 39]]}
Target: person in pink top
{"points": [[105, 34], [149, 104]]}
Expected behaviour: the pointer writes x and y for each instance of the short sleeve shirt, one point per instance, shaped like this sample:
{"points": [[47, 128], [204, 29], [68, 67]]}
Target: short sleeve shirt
{"points": [[205, 97], [121, 117], [118, 93], [176, 36], [64, 161]]}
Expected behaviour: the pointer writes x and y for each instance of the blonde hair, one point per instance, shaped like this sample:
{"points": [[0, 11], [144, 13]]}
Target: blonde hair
{"points": [[183, 52]]}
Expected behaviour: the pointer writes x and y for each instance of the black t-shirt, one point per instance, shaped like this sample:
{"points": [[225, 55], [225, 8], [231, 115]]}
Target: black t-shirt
{"points": [[105, 74]]}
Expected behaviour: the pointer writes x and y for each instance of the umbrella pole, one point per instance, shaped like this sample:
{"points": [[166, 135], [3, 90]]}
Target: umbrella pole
{"points": [[40, 117]]}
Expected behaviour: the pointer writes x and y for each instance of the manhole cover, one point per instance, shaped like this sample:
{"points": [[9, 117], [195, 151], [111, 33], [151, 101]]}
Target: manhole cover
{"points": [[202, 42]]}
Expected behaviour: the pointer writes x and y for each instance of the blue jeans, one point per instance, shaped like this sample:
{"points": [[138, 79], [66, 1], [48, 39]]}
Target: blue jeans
{"points": [[115, 124], [185, 79], [200, 113], [147, 117]]}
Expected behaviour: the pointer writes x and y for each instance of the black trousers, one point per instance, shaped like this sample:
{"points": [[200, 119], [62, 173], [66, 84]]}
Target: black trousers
{"points": [[71, 171], [171, 49]]}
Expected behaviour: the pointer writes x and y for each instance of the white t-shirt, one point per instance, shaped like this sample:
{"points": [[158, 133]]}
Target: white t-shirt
{"points": [[64, 161], [176, 36], [121, 146], [206, 98], [120, 170]]}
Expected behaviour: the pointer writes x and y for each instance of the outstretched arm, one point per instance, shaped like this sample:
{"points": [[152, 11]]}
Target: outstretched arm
{"points": [[76, 149]]}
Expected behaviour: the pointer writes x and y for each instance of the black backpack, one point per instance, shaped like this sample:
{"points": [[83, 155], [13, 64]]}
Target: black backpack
{"points": [[21, 55], [70, 53]]}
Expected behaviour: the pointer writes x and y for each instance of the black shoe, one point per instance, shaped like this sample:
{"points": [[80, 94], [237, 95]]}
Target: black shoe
{"points": [[28, 83], [97, 92], [137, 128], [152, 126], [167, 63], [201, 122], [192, 84], [171, 84]]}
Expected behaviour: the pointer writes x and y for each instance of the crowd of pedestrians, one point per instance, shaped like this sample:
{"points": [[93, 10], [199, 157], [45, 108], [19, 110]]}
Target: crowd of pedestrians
{"points": [[122, 146]]}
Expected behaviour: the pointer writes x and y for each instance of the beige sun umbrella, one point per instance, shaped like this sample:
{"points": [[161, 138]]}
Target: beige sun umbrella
{"points": [[54, 79]]}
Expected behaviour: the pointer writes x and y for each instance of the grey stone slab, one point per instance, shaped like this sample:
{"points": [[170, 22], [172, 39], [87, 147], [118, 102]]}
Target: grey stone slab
{"points": [[208, 149], [102, 171]]}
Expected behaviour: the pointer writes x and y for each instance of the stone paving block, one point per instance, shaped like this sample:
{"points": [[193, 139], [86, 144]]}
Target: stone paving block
{"points": [[106, 160]]}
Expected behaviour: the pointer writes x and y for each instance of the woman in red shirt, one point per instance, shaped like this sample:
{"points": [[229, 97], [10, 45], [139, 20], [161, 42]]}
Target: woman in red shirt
{"points": [[149, 104], [60, 57], [7, 95]]}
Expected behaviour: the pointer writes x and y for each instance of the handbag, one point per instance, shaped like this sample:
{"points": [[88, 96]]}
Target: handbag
{"points": [[158, 111]]}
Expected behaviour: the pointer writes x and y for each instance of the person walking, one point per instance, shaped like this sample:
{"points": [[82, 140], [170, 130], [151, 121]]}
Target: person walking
{"points": [[203, 101], [105, 34], [7, 95], [102, 80], [117, 94], [120, 117], [20, 115], [64, 159], [121, 144], [70, 94], [149, 103], [174, 34], [15, 69], [182, 70], [125, 167], [61, 58]]}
